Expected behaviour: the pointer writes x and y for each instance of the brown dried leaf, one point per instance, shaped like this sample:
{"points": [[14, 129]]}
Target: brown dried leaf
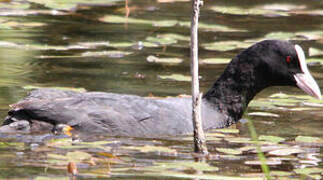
{"points": [[72, 168]]}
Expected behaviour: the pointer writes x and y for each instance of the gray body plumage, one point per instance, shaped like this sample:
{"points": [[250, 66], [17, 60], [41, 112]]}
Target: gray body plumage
{"points": [[114, 114]]}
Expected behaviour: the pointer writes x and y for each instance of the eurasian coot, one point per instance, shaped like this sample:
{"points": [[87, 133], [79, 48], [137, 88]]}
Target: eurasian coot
{"points": [[267, 63]]}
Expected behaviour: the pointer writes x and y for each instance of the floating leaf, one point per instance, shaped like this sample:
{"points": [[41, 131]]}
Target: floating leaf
{"points": [[172, 1], [225, 45], [183, 175], [248, 148], [315, 176], [67, 143], [245, 140], [312, 104], [274, 139], [72, 4], [75, 156], [308, 139], [57, 159], [280, 173], [112, 54], [301, 109], [149, 44], [315, 52], [308, 171], [165, 23], [280, 95], [96, 143], [148, 148], [268, 162], [209, 138], [235, 10], [227, 130], [310, 12], [94, 44], [239, 140], [174, 36], [286, 152], [215, 60], [218, 27], [283, 36], [212, 139], [215, 134], [210, 27], [51, 178], [43, 47], [280, 100], [121, 44], [229, 151], [230, 157], [15, 145], [231, 10], [17, 24], [7, 44], [27, 12], [78, 156], [30, 87], [61, 142], [17, 5], [299, 98], [154, 59], [4, 26], [161, 40], [261, 103], [122, 19], [273, 147], [314, 61], [48, 47], [182, 165], [101, 173], [176, 77], [283, 7], [264, 114], [311, 35]]}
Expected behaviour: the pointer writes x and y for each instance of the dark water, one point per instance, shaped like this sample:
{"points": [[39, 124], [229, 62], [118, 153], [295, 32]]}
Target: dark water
{"points": [[46, 50]]}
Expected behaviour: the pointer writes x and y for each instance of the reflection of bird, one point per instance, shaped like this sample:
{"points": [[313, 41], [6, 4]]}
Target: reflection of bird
{"points": [[267, 63]]}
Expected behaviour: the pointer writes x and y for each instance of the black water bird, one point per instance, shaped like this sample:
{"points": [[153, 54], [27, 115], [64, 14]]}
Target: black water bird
{"points": [[267, 63]]}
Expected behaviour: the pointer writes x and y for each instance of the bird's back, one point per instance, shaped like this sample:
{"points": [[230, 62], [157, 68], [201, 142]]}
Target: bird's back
{"points": [[113, 114]]}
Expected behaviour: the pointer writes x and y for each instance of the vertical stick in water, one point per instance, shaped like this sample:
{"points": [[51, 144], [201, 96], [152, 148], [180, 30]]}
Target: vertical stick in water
{"points": [[199, 138]]}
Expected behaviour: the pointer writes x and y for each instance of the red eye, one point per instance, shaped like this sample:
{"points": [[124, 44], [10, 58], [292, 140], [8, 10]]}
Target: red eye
{"points": [[288, 59]]}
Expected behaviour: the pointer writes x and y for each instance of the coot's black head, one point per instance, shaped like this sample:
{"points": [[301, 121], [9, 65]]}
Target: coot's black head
{"points": [[281, 63], [264, 64]]}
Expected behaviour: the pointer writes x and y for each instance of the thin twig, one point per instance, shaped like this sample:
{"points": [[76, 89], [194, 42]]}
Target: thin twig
{"points": [[199, 138]]}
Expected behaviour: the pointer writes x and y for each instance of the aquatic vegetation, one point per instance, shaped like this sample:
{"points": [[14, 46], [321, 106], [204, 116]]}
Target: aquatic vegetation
{"points": [[225, 45], [175, 77], [215, 60], [154, 59]]}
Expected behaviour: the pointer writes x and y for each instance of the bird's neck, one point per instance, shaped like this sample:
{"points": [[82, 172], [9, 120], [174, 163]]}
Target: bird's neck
{"points": [[233, 91]]}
